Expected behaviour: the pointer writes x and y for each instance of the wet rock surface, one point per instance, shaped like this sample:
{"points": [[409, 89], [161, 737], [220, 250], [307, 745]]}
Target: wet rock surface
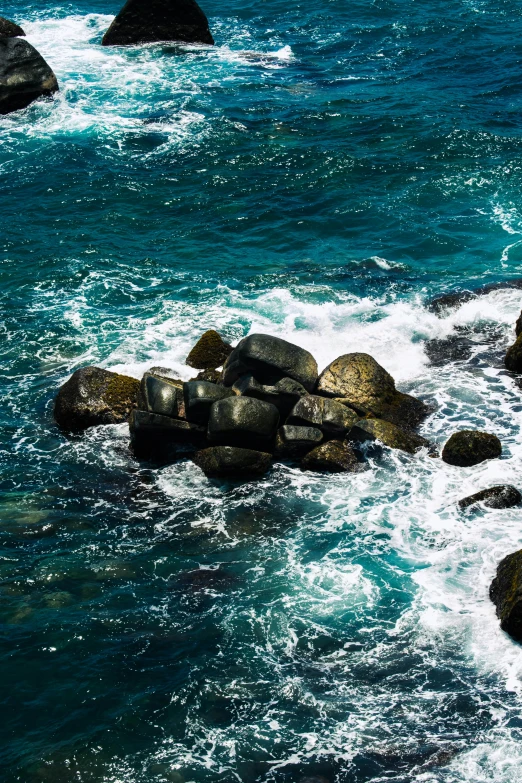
{"points": [[296, 441], [199, 396], [243, 421], [502, 496], [94, 396], [9, 29], [24, 75], [388, 434], [335, 456], [328, 415], [210, 352], [232, 461], [149, 21], [269, 359], [513, 359], [470, 447], [283, 394], [161, 395], [506, 594]]}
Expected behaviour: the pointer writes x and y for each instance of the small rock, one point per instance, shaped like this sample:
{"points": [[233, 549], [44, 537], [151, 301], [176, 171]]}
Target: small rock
{"points": [[270, 359], [329, 415], [294, 441], [284, 394], [199, 397], [148, 21], [388, 434], [335, 456], [210, 352], [503, 496], [94, 396], [161, 395], [232, 461], [9, 29], [506, 594], [243, 421], [24, 75], [513, 359], [469, 447]]}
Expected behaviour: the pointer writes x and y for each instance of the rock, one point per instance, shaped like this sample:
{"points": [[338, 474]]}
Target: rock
{"points": [[243, 421], [209, 352], [269, 359], [329, 415], [24, 75], [232, 461], [503, 496], [454, 299], [335, 456], [161, 395], [362, 383], [518, 325], [94, 396], [153, 434], [9, 29], [469, 447], [506, 594], [166, 372], [513, 360], [454, 348], [148, 21], [293, 441], [212, 376], [199, 396], [388, 434], [284, 394]]}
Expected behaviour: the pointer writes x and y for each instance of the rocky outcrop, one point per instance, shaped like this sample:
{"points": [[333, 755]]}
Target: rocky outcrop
{"points": [[9, 29], [328, 415], [518, 325], [502, 496], [243, 421], [513, 359], [24, 75], [270, 359], [210, 352], [335, 456], [94, 396], [293, 441], [199, 398], [231, 461], [366, 387], [470, 447], [388, 434], [450, 301], [148, 21], [506, 594], [283, 394]]}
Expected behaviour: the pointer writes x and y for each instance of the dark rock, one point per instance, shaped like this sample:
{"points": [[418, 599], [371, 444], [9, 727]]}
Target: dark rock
{"points": [[9, 29], [147, 21], [152, 434], [335, 456], [469, 447], [24, 75], [454, 348], [330, 416], [363, 384], [269, 359], [314, 779], [209, 352], [199, 396], [518, 325], [503, 496], [284, 394], [166, 372], [293, 441], [161, 395], [513, 360], [454, 299], [243, 421], [232, 461], [94, 396], [506, 594], [388, 434], [212, 376]]}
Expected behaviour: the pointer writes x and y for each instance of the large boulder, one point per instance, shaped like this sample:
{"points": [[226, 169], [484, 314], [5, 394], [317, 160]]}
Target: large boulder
{"points": [[94, 396], [367, 388], [283, 394], [502, 496], [388, 434], [232, 461], [9, 29], [148, 21], [513, 358], [330, 416], [153, 434], [469, 447], [269, 359], [161, 395], [200, 396], [506, 594], [24, 75], [293, 441], [335, 456], [210, 352], [243, 421]]}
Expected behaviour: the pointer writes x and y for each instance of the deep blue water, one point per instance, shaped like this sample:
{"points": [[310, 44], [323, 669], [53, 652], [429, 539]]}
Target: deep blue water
{"points": [[318, 175]]}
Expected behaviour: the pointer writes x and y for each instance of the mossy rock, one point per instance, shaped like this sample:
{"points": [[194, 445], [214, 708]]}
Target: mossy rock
{"points": [[506, 594], [470, 447], [209, 353], [334, 456], [388, 434], [513, 360], [231, 461]]}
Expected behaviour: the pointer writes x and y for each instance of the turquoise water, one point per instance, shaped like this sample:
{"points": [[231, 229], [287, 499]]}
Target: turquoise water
{"points": [[318, 175]]}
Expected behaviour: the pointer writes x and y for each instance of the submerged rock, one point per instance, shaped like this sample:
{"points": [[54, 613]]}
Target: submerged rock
{"points": [[503, 496], [232, 461], [295, 441], [269, 359], [200, 396], [283, 394], [161, 395], [9, 29], [94, 396], [361, 382], [388, 434], [450, 301], [506, 594], [24, 75], [328, 415], [148, 21], [449, 349], [513, 359], [243, 421], [470, 447], [335, 456], [210, 352]]}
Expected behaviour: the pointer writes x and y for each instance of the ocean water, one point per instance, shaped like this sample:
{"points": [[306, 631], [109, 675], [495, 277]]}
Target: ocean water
{"points": [[318, 175]]}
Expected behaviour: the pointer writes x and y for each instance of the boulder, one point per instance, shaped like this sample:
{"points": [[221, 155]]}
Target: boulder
{"points": [[294, 442], [388, 434], [503, 496], [330, 416], [518, 325], [469, 447], [243, 421], [513, 359], [152, 433], [9, 29], [210, 352], [199, 397], [161, 395], [506, 594], [284, 394], [335, 456], [232, 461], [94, 396], [212, 376], [148, 21], [363, 384], [24, 75], [269, 359]]}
